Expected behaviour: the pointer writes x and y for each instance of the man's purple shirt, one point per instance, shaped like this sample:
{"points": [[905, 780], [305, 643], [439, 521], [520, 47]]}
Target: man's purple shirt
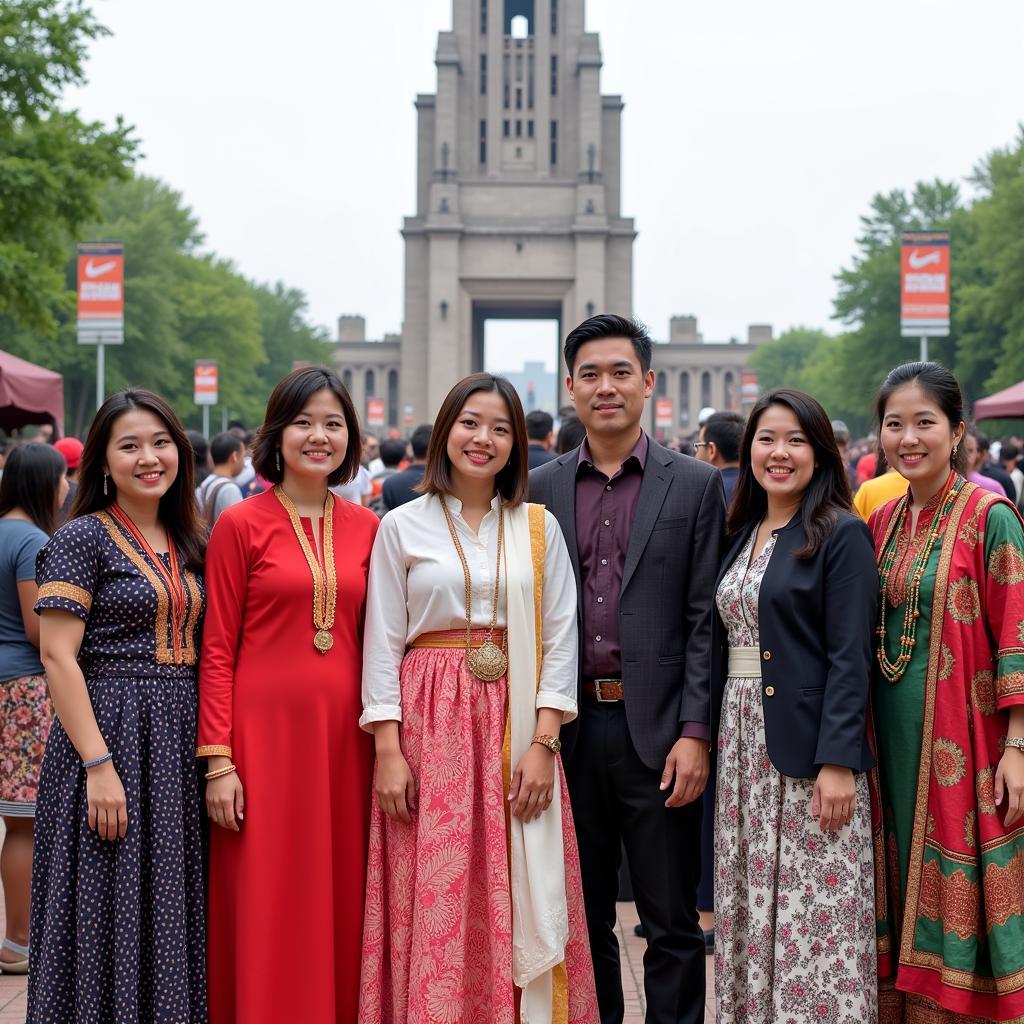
{"points": [[605, 510]]}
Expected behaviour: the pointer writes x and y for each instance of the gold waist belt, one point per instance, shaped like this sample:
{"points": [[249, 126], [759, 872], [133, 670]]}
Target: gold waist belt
{"points": [[456, 638], [745, 662]]}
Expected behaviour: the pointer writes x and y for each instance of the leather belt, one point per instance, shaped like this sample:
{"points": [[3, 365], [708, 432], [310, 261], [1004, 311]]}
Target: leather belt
{"points": [[607, 691]]}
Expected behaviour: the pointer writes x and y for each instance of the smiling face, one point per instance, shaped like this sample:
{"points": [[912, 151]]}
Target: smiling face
{"points": [[918, 439], [480, 441], [141, 456], [781, 456], [608, 386], [314, 444]]}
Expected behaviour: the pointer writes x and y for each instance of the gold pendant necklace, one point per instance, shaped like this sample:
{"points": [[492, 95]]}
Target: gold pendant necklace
{"points": [[488, 662], [325, 583]]}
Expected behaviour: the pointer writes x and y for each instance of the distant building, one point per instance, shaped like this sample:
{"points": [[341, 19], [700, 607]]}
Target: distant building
{"points": [[518, 216]]}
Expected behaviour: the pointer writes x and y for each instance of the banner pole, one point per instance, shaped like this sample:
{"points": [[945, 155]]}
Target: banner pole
{"points": [[924, 349], [206, 422], [100, 373]]}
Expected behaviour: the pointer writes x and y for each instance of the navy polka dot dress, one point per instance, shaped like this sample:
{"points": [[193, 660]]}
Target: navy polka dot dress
{"points": [[117, 928]]}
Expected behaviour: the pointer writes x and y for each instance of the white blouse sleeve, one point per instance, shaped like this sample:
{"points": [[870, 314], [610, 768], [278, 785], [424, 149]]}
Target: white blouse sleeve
{"points": [[558, 677], [387, 621]]}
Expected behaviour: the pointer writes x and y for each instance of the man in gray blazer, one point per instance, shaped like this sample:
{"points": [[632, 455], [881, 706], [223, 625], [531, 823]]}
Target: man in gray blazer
{"points": [[644, 530]]}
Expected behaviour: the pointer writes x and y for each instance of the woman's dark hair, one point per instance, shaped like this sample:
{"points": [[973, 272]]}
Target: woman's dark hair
{"points": [[31, 482], [511, 481], [939, 385], [829, 489], [287, 400], [201, 451], [178, 512], [608, 325]]}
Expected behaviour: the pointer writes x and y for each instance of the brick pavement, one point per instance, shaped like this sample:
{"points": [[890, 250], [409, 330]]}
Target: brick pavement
{"points": [[12, 989]]}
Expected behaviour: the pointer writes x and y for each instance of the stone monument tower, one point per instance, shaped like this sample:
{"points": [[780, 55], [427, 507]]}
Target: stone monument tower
{"points": [[518, 190]]}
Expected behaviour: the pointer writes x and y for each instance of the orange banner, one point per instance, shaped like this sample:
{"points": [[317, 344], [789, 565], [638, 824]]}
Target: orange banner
{"points": [[205, 382], [663, 412], [101, 293], [924, 279], [375, 412]]}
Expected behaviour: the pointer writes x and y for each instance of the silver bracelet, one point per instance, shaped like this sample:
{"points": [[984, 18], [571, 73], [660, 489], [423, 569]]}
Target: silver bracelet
{"points": [[1016, 741], [99, 760]]}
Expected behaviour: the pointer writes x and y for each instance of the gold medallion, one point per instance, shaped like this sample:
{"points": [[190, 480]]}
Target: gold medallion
{"points": [[487, 662], [325, 583]]}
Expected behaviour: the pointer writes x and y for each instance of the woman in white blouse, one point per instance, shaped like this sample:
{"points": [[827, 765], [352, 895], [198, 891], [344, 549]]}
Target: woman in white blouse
{"points": [[474, 909]]}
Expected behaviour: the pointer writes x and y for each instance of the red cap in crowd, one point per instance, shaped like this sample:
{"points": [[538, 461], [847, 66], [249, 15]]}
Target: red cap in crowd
{"points": [[71, 449]]}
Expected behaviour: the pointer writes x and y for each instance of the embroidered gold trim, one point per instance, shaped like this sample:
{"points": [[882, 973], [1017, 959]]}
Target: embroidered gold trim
{"points": [[908, 954], [213, 750], [68, 591], [164, 648], [538, 549], [195, 607]]}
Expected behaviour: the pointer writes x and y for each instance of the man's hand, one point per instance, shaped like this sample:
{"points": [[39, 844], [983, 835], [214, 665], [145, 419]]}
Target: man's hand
{"points": [[688, 762]]}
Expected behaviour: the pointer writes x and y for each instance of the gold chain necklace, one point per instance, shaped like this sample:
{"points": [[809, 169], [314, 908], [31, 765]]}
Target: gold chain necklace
{"points": [[488, 662], [325, 582], [894, 671]]}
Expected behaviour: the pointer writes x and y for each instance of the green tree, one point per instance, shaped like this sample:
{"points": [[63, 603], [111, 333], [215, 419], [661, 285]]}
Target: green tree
{"points": [[868, 300], [780, 363], [990, 312], [52, 163], [287, 336]]}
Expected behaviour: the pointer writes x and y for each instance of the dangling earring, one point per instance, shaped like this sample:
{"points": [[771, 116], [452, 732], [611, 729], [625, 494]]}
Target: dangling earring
{"points": [[955, 450], [105, 479], [277, 459]]}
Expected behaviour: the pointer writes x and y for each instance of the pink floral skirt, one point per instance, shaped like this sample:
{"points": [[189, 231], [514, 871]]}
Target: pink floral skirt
{"points": [[437, 936], [25, 718]]}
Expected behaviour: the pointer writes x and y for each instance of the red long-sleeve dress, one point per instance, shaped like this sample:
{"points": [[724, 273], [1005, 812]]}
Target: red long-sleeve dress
{"points": [[286, 892]]}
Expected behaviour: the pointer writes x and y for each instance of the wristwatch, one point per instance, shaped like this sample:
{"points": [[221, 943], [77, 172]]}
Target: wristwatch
{"points": [[553, 743]]}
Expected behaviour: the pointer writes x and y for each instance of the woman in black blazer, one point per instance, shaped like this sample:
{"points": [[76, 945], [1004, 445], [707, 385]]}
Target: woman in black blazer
{"points": [[796, 603]]}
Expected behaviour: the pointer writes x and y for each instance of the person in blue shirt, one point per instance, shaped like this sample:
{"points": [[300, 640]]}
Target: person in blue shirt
{"points": [[32, 492]]}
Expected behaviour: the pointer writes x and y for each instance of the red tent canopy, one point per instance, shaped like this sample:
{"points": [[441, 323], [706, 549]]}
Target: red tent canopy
{"points": [[29, 394], [1006, 404]]}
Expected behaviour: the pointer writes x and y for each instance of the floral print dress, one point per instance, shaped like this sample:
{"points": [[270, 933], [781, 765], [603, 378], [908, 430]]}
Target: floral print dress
{"points": [[794, 936]]}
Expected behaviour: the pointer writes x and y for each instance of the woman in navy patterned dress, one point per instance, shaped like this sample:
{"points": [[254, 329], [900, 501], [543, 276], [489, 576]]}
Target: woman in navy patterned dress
{"points": [[117, 924]]}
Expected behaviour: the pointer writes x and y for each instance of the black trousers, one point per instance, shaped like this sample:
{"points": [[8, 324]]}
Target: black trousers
{"points": [[616, 801]]}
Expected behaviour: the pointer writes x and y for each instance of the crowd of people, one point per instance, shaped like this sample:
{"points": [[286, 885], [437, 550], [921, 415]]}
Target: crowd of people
{"points": [[381, 716]]}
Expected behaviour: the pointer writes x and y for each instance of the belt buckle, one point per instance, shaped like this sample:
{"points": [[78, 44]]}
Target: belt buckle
{"points": [[598, 683]]}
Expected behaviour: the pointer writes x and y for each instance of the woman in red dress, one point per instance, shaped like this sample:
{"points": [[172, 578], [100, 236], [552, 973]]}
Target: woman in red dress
{"points": [[289, 769]]}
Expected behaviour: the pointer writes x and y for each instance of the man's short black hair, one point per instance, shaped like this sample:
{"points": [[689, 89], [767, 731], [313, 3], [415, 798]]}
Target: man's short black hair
{"points": [[420, 440], [1009, 452], [726, 430], [223, 446], [392, 452], [608, 325], [538, 425], [983, 442]]}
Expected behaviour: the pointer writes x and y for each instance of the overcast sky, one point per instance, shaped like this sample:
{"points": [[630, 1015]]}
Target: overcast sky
{"points": [[754, 134]]}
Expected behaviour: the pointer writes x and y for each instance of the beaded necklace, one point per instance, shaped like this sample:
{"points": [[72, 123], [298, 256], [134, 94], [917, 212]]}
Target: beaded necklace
{"points": [[895, 670]]}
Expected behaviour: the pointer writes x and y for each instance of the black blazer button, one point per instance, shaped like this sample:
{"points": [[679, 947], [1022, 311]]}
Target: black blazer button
{"points": [[767, 655], [769, 691]]}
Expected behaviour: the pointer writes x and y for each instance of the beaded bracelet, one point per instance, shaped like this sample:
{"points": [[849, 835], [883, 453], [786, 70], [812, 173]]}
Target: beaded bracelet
{"points": [[99, 760], [218, 772]]}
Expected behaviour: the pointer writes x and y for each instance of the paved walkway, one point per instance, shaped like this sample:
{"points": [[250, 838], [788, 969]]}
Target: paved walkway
{"points": [[12, 990]]}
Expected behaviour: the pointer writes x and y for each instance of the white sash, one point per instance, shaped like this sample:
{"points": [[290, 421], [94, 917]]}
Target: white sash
{"points": [[540, 918]]}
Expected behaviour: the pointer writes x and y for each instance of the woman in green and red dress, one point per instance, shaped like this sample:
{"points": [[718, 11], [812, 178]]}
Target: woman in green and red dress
{"points": [[948, 701]]}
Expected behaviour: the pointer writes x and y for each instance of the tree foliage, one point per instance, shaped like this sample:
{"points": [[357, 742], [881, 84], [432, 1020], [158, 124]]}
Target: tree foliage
{"points": [[180, 305], [52, 163], [986, 345]]}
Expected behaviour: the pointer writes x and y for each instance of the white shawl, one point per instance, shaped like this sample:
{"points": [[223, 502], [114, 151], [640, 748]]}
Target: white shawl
{"points": [[540, 919]]}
